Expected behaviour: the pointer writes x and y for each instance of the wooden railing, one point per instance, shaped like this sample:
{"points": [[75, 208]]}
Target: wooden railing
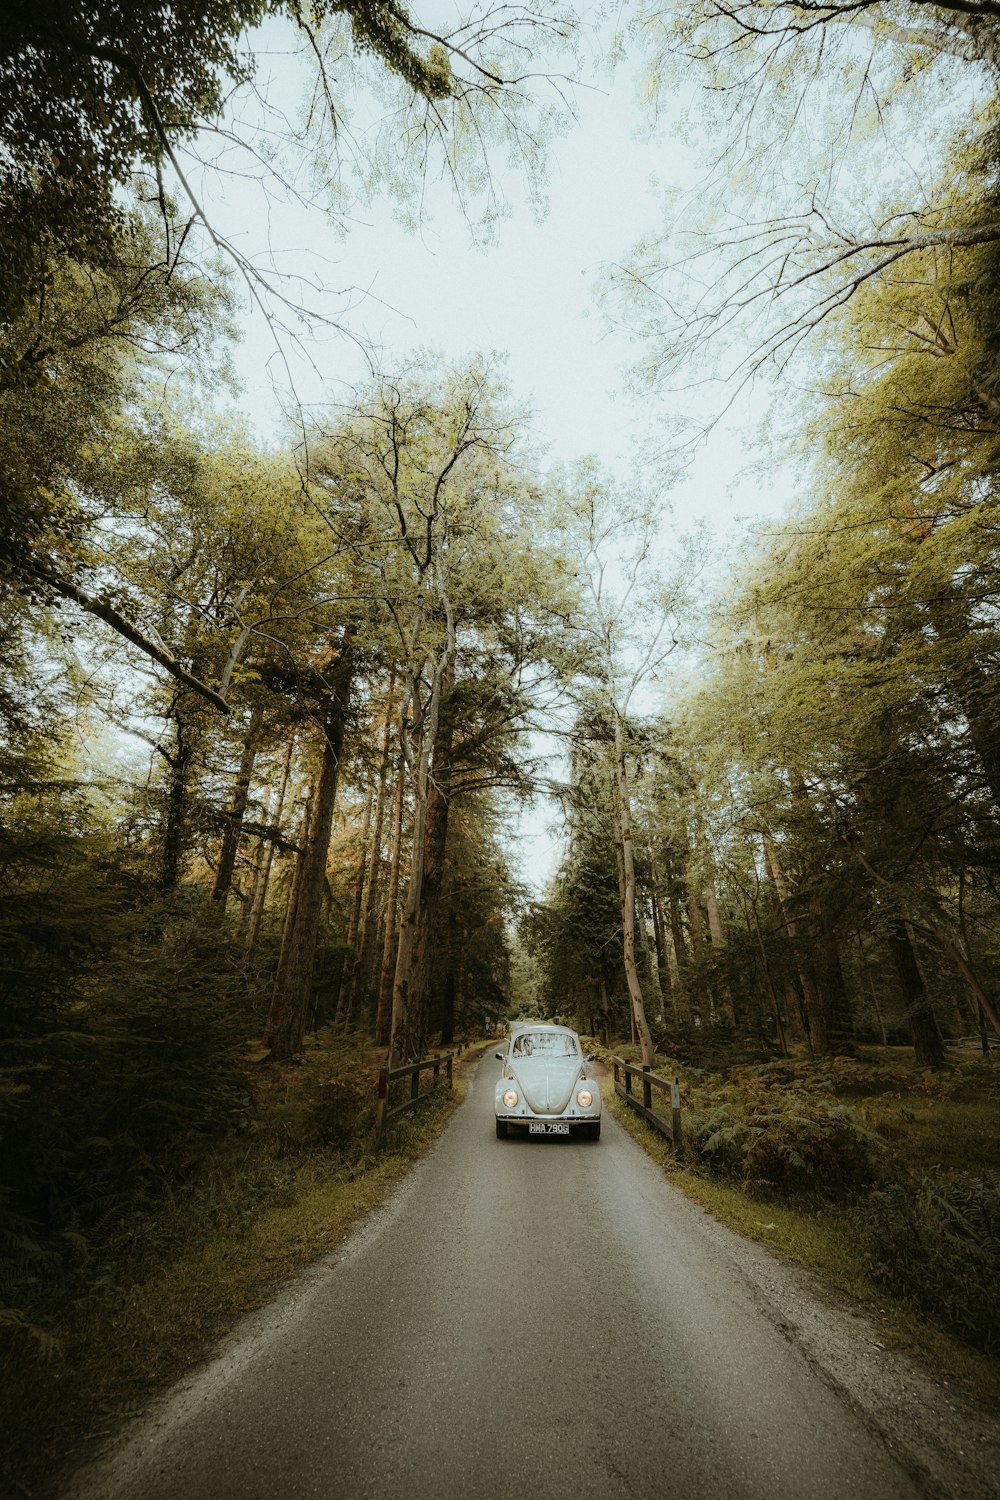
{"points": [[412, 1071], [650, 1081]]}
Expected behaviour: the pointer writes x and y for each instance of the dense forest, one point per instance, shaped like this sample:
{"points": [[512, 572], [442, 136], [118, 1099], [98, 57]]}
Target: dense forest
{"points": [[270, 711]]}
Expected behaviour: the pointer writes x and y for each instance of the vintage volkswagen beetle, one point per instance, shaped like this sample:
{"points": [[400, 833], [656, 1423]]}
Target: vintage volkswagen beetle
{"points": [[543, 1083]]}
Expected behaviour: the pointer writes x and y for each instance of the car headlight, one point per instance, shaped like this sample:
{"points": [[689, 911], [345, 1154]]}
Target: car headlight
{"points": [[585, 1098], [510, 1099]]}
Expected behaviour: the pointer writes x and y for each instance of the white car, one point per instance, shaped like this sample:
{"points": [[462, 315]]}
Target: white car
{"points": [[543, 1084]]}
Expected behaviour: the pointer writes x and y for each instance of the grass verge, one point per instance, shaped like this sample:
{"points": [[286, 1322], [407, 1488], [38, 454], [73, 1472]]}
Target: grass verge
{"points": [[258, 1212]]}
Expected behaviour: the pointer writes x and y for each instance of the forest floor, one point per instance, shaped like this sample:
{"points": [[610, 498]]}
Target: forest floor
{"points": [[923, 1123], [261, 1207]]}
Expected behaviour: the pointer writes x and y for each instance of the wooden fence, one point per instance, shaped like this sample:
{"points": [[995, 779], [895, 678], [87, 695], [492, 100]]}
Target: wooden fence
{"points": [[412, 1071], [624, 1074]]}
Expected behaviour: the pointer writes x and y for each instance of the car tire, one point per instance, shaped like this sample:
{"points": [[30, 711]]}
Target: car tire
{"points": [[501, 1130], [594, 1130]]}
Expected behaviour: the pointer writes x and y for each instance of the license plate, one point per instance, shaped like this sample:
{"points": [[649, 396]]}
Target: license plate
{"points": [[548, 1127]]}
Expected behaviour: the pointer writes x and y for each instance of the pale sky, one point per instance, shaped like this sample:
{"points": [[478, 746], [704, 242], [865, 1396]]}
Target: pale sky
{"points": [[530, 297]]}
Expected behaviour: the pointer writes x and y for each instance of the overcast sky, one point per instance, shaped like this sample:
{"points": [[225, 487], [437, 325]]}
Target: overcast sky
{"points": [[531, 297]]}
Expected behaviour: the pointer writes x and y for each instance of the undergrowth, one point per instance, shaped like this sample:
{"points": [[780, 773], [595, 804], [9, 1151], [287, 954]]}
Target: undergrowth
{"points": [[167, 1278], [881, 1175]]}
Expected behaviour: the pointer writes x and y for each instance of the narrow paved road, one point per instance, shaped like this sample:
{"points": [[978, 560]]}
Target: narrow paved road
{"points": [[526, 1318]]}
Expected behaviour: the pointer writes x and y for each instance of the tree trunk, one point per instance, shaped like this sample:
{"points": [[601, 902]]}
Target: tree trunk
{"points": [[975, 689], [359, 968], [289, 1012], [264, 873], [662, 961], [650, 960], [719, 944], [237, 810], [697, 928], [682, 1000], [383, 1014], [836, 1007], [449, 989], [605, 1010], [347, 963], [928, 1046], [421, 968], [624, 820], [815, 1014], [406, 1023], [779, 1025], [180, 764]]}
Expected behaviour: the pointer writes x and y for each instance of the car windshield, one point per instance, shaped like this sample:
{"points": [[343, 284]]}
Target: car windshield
{"points": [[545, 1044]]}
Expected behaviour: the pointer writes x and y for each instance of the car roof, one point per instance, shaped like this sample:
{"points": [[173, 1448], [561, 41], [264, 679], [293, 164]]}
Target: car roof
{"points": [[539, 1026]]}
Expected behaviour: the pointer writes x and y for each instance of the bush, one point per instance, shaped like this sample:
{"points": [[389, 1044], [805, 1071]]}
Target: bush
{"points": [[939, 1246], [782, 1141], [333, 1101], [117, 1085]]}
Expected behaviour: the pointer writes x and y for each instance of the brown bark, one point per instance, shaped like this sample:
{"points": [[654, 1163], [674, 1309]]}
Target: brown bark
{"points": [[836, 1007], [449, 988], [383, 1014], [928, 1046], [682, 1000], [263, 878], [696, 927], [237, 811], [719, 944], [421, 968], [295, 882], [779, 1024], [406, 1024], [650, 962], [289, 1011], [180, 763], [815, 1013], [975, 689], [954, 950], [605, 1010], [359, 967], [627, 891], [662, 961], [347, 964]]}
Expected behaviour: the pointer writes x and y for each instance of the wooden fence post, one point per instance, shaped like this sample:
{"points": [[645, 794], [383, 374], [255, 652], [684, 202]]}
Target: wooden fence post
{"points": [[415, 1083], [383, 1100], [675, 1117], [451, 1061], [437, 1071], [647, 1087]]}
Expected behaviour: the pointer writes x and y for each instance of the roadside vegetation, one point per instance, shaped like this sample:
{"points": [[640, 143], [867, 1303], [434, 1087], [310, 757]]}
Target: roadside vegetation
{"points": [[881, 1177], [227, 1223]]}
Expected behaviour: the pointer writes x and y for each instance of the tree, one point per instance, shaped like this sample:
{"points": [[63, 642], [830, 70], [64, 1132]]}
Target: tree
{"points": [[454, 569], [817, 97], [628, 628], [108, 252]]}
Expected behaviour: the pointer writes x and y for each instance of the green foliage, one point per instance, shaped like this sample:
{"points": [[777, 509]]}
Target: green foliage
{"points": [[84, 98], [780, 1140], [330, 1103], [118, 1077], [939, 1245]]}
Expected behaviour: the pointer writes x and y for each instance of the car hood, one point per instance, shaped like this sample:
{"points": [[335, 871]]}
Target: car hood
{"points": [[547, 1082]]}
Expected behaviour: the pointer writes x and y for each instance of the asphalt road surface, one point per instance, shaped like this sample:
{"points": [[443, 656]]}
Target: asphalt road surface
{"points": [[525, 1318]]}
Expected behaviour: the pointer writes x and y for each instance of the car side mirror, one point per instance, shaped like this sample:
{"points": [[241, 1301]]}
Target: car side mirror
{"points": [[498, 1056]]}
